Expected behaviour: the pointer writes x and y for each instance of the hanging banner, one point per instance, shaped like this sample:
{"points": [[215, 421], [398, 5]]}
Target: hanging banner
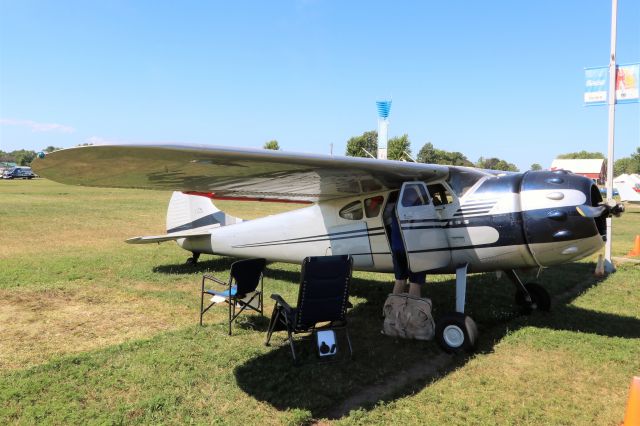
{"points": [[627, 83], [597, 84]]}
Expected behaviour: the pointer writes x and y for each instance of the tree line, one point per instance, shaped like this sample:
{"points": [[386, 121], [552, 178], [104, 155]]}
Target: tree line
{"points": [[22, 157], [399, 148]]}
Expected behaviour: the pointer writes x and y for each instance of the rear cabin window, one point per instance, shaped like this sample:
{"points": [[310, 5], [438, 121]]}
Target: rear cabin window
{"points": [[414, 195], [440, 194], [352, 211], [373, 205]]}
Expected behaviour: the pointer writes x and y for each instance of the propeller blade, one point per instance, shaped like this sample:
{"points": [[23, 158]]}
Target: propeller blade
{"points": [[591, 211]]}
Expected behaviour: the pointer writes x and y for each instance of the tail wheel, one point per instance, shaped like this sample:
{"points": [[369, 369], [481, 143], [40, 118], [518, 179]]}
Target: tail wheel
{"points": [[456, 333], [540, 298]]}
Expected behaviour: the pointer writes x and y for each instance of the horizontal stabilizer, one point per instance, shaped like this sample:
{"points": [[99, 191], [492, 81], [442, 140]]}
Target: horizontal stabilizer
{"points": [[167, 237]]}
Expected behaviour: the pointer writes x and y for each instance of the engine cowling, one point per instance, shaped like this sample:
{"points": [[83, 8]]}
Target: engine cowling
{"points": [[554, 230]]}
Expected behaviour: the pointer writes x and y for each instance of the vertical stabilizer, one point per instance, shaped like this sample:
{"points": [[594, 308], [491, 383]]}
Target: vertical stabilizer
{"points": [[190, 212]]}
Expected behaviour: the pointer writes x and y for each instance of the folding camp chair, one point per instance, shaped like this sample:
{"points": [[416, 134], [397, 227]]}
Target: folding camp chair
{"points": [[242, 289], [323, 297]]}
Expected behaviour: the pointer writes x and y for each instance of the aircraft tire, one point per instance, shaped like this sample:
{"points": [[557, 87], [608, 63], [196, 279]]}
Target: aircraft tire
{"points": [[539, 295], [456, 333], [191, 261]]}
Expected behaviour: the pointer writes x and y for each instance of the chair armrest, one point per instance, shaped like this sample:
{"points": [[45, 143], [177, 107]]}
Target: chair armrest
{"points": [[214, 279], [280, 301]]}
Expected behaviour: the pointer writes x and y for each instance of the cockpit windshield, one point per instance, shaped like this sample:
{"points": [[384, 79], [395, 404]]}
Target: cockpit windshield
{"points": [[461, 179]]}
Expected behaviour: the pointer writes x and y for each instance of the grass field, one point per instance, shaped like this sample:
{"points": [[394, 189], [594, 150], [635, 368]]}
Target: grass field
{"points": [[93, 330]]}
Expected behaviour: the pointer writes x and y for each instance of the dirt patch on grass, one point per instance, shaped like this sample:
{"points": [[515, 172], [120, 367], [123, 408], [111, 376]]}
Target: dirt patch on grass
{"points": [[420, 371], [38, 325]]}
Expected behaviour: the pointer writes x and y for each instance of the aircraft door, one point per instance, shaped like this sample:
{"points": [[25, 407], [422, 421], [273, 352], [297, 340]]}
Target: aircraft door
{"points": [[422, 230]]}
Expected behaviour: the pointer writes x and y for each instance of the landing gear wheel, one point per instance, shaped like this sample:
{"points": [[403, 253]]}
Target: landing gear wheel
{"points": [[540, 298], [456, 333], [193, 260]]}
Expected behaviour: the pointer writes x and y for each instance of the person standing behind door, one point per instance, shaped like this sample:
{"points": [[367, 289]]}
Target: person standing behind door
{"points": [[400, 264]]}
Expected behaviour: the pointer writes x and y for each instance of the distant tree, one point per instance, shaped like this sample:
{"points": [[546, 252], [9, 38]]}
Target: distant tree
{"points": [[398, 146], [51, 149], [23, 157], [582, 155], [621, 165], [431, 155], [6, 157], [368, 141], [272, 144], [630, 164], [536, 166], [494, 163]]}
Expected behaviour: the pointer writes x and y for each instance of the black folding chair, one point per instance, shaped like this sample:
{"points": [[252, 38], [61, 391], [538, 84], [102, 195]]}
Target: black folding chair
{"points": [[242, 288], [323, 297]]}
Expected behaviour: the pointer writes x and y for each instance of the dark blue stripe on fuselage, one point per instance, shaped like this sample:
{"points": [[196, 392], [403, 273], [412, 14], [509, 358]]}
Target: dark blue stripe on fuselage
{"points": [[358, 233], [210, 219]]}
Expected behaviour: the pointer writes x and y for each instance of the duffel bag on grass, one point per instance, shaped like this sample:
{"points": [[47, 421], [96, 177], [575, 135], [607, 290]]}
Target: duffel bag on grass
{"points": [[408, 317]]}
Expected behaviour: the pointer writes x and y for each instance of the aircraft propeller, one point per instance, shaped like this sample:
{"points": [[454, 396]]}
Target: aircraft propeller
{"points": [[606, 209]]}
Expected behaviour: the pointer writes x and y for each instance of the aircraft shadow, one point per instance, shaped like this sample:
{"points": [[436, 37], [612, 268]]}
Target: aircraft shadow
{"points": [[216, 264], [379, 360]]}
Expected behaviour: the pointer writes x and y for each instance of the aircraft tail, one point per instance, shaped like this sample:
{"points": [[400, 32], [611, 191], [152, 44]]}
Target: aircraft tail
{"points": [[195, 212], [189, 216], [627, 193]]}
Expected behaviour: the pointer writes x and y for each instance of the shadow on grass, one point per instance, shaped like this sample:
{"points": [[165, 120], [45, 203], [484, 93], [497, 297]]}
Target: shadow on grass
{"points": [[222, 265], [217, 264], [333, 390]]}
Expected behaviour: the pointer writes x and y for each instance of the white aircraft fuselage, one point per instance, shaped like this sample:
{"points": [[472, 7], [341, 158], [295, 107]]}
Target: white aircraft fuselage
{"points": [[505, 222]]}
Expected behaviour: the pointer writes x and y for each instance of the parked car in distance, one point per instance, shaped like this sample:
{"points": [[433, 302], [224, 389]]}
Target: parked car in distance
{"points": [[18, 173]]}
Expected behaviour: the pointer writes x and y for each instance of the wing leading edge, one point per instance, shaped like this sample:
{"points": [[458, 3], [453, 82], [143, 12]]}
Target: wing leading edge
{"points": [[238, 173]]}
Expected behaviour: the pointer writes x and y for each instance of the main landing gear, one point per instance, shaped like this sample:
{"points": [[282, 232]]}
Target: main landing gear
{"points": [[194, 259], [455, 331], [530, 296]]}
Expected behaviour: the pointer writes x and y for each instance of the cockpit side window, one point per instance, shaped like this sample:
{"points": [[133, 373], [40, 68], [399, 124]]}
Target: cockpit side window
{"points": [[373, 205], [440, 194], [352, 211], [414, 195]]}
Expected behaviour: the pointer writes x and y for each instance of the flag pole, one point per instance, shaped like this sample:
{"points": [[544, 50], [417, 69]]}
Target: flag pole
{"points": [[609, 267]]}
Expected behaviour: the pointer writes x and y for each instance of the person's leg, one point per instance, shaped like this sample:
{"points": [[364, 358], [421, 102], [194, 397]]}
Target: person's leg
{"points": [[400, 271], [400, 287], [414, 290], [415, 283]]}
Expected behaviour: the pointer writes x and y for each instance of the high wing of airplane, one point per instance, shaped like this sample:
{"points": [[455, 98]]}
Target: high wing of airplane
{"points": [[463, 220]]}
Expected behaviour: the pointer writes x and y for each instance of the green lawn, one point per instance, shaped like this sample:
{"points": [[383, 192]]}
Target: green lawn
{"points": [[93, 330]]}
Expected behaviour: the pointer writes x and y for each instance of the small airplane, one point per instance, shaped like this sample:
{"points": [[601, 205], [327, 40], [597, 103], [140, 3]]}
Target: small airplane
{"points": [[628, 192], [453, 219]]}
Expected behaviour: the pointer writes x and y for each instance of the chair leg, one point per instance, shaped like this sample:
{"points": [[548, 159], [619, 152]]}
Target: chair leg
{"points": [[272, 325], [262, 294], [231, 302], [346, 331], [293, 349], [201, 302]]}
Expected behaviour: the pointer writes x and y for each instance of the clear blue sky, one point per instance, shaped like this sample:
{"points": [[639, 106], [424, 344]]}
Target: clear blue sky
{"points": [[487, 78]]}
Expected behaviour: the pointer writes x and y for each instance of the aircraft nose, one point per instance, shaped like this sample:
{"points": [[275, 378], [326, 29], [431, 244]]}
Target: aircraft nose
{"points": [[554, 229]]}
